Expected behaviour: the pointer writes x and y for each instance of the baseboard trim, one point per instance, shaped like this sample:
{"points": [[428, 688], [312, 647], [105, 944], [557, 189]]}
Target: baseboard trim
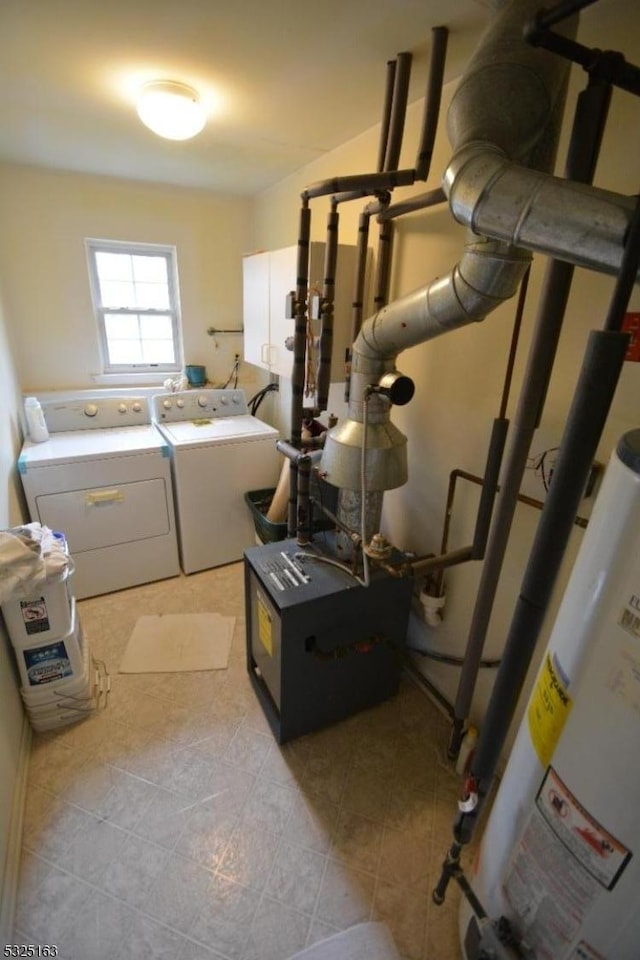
{"points": [[9, 882]]}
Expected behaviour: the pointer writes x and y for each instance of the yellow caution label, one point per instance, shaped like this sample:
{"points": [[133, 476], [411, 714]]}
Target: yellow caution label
{"points": [[548, 711], [265, 632]]}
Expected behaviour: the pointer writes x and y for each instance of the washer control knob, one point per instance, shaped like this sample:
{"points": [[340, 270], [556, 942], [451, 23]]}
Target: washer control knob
{"points": [[122, 408], [166, 404], [224, 399], [90, 410], [137, 407], [180, 403], [235, 398], [202, 401]]}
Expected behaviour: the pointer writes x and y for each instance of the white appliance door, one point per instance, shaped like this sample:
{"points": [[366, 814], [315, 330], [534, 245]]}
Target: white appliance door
{"points": [[104, 516], [214, 522]]}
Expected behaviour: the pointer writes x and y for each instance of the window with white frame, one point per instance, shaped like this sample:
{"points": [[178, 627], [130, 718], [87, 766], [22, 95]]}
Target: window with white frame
{"points": [[135, 297]]}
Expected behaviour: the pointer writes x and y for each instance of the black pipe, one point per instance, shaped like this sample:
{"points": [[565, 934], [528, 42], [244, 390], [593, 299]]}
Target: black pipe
{"points": [[451, 559], [513, 346], [386, 113], [424, 200], [440, 36], [588, 126], [368, 182], [588, 414], [383, 265], [326, 311], [362, 252], [398, 111], [562, 10], [303, 527], [489, 487], [299, 353]]}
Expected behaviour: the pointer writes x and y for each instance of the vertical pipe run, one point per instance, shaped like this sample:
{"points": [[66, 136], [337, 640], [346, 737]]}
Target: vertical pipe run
{"points": [[439, 36], [489, 487], [303, 528], [398, 112], [588, 127], [588, 414], [383, 266], [299, 348], [357, 305], [386, 114], [326, 312]]}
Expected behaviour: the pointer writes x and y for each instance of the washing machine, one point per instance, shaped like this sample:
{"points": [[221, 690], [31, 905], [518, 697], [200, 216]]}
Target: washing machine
{"points": [[219, 451], [104, 478]]}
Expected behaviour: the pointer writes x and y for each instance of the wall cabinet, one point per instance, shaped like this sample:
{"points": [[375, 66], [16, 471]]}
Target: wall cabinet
{"points": [[268, 279]]}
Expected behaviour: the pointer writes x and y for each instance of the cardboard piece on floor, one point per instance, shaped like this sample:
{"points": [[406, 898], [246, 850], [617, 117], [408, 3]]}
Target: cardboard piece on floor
{"points": [[174, 643]]}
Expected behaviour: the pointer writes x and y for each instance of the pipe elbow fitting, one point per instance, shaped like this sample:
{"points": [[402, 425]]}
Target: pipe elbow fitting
{"points": [[471, 172]]}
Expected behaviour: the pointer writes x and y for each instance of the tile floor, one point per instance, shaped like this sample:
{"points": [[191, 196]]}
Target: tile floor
{"points": [[171, 825]]}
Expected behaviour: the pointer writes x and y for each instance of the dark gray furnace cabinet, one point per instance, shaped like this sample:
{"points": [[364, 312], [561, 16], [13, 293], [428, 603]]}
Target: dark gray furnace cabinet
{"points": [[322, 648]]}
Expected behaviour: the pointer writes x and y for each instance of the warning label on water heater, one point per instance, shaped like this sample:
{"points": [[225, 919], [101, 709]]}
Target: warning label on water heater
{"points": [[549, 708], [550, 892]]}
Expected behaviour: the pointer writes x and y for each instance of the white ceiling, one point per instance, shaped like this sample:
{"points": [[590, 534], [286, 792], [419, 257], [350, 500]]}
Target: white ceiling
{"points": [[282, 80], [293, 79]]}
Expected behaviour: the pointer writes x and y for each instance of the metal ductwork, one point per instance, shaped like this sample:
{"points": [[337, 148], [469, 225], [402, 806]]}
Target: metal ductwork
{"points": [[503, 124]]}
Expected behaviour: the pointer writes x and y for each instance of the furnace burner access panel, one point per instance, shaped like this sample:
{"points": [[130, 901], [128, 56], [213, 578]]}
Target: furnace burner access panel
{"points": [[320, 647]]}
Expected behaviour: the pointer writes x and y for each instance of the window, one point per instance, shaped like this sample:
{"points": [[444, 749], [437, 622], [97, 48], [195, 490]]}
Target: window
{"points": [[135, 297]]}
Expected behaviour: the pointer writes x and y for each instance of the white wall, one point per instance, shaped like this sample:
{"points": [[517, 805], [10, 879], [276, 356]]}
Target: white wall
{"points": [[46, 218], [459, 377], [11, 514]]}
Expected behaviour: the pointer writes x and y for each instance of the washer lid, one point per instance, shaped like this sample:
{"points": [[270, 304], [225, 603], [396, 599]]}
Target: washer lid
{"points": [[193, 433], [77, 445]]}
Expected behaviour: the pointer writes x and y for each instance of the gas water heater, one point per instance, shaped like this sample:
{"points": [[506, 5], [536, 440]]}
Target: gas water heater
{"points": [[560, 856]]}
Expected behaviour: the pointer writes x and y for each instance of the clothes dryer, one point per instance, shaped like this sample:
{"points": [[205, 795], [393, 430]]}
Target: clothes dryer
{"points": [[219, 451], [104, 479]]}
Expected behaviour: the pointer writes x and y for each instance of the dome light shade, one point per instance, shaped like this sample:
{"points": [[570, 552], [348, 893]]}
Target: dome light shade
{"points": [[171, 109]]}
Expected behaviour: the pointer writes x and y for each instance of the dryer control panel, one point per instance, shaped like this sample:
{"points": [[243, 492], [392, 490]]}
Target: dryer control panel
{"points": [[196, 404], [95, 413]]}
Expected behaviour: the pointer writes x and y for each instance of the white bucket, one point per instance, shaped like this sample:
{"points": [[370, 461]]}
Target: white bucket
{"points": [[41, 664], [44, 614], [69, 692]]}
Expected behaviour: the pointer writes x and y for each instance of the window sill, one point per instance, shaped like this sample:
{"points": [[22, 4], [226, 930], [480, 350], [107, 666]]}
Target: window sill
{"points": [[125, 379]]}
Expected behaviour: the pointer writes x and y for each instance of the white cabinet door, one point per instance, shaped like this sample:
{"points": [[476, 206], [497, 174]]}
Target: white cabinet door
{"points": [[268, 280], [282, 266], [255, 272]]}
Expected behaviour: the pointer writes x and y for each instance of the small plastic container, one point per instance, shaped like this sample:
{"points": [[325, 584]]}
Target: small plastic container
{"points": [[36, 424], [53, 661], [43, 615]]}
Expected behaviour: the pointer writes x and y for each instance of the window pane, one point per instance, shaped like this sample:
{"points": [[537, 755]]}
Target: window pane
{"points": [[156, 328], [157, 351], [114, 266], [116, 293], [119, 327], [125, 351], [150, 269], [152, 296]]}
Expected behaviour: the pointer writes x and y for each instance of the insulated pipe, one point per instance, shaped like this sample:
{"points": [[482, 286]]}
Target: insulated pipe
{"points": [[383, 266], [590, 408], [369, 183], [440, 36], [398, 111], [590, 117], [326, 310], [361, 268], [299, 347], [429, 199], [386, 113]]}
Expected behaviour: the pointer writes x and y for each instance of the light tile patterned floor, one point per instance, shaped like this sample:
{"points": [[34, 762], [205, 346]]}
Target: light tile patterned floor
{"points": [[171, 825]]}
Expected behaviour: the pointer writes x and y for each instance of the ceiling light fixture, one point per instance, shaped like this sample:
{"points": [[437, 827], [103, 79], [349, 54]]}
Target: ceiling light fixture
{"points": [[171, 109]]}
